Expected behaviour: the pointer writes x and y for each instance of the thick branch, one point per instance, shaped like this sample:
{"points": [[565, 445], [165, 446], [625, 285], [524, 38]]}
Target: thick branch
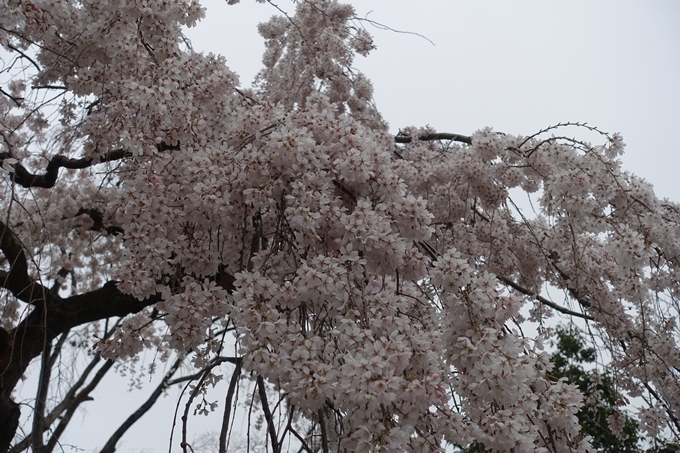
{"points": [[57, 315], [435, 136], [17, 280], [43, 324], [27, 179]]}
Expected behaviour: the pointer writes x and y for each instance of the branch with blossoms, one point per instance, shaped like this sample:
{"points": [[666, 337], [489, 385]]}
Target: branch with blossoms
{"points": [[26, 179]]}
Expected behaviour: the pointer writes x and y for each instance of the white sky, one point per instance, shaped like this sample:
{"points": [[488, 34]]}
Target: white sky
{"points": [[515, 66]]}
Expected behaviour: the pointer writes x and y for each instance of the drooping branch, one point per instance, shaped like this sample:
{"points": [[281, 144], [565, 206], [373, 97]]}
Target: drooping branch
{"points": [[110, 446], [203, 374], [435, 136], [543, 300]]}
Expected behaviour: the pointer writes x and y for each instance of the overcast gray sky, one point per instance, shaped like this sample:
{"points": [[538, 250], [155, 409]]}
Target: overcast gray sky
{"points": [[517, 66]]}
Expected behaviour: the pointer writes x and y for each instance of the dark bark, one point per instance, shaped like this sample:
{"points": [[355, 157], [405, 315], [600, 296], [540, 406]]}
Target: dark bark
{"points": [[435, 136], [9, 420], [273, 437], [228, 406], [48, 320], [98, 221], [47, 180], [17, 280]]}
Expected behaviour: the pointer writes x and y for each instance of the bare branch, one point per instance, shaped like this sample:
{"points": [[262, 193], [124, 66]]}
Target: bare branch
{"points": [[324, 433], [267, 414], [435, 136], [228, 405], [82, 397], [40, 399], [16, 100], [110, 446], [26, 179]]}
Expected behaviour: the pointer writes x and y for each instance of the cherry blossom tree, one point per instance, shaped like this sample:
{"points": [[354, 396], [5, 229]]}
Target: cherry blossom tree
{"points": [[376, 285]]}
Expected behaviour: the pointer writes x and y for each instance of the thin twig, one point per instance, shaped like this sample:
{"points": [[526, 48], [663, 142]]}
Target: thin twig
{"points": [[543, 300]]}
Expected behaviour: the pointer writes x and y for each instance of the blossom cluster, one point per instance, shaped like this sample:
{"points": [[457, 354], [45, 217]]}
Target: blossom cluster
{"points": [[382, 286]]}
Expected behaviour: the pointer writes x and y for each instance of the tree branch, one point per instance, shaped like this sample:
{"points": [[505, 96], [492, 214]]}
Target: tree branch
{"points": [[16, 100], [57, 315], [267, 414], [435, 136], [17, 280], [543, 300], [72, 399], [98, 221], [80, 398], [110, 446], [38, 429], [227, 406], [26, 179], [324, 433], [46, 322]]}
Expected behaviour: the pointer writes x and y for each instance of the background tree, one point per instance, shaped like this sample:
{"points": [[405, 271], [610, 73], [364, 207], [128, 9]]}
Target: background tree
{"points": [[602, 400], [603, 406], [372, 282]]}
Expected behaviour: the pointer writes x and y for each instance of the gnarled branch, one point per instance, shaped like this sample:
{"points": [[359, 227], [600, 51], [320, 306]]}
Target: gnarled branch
{"points": [[27, 179]]}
